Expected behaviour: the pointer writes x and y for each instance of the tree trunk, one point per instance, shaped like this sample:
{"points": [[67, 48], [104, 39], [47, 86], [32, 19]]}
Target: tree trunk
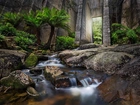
{"points": [[106, 24], [48, 44]]}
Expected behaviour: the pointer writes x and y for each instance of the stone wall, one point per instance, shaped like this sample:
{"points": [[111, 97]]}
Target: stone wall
{"points": [[81, 15], [129, 14]]}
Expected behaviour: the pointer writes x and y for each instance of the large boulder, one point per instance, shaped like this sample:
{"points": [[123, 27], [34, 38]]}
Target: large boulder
{"points": [[76, 57], [8, 63], [77, 61], [131, 70], [133, 49], [117, 91], [21, 54], [109, 62], [17, 80]]}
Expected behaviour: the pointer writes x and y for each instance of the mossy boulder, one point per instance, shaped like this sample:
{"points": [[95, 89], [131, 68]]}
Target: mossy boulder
{"points": [[31, 60], [17, 80]]}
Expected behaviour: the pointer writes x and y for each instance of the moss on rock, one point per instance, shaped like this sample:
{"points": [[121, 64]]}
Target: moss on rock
{"points": [[31, 60], [17, 80]]}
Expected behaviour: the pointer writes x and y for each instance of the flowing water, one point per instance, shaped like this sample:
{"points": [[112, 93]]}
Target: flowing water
{"points": [[82, 89]]}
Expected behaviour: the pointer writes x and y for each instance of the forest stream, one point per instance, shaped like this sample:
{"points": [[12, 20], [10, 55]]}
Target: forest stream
{"points": [[82, 88]]}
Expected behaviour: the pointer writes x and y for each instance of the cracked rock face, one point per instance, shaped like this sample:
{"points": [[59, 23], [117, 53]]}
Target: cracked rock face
{"points": [[131, 70], [53, 70], [17, 80], [109, 62], [8, 63]]}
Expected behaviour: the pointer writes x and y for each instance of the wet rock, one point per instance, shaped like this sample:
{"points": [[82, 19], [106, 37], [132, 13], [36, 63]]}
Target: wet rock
{"points": [[131, 70], [17, 80], [62, 82], [109, 62], [117, 91], [8, 63], [77, 61], [51, 72], [31, 91], [36, 71], [42, 57], [31, 60], [110, 89]]}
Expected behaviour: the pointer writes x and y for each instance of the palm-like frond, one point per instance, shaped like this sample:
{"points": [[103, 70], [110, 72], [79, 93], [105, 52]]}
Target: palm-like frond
{"points": [[54, 17], [32, 19], [11, 18]]}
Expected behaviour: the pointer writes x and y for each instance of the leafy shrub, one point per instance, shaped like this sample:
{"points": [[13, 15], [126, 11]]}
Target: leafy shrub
{"points": [[72, 34], [97, 30], [2, 38], [123, 35], [7, 29], [64, 42], [24, 40], [13, 18]]}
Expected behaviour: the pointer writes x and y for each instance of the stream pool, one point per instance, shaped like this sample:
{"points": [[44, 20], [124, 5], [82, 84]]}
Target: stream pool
{"points": [[84, 94]]}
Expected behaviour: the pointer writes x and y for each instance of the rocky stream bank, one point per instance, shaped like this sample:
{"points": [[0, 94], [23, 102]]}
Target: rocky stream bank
{"points": [[121, 63]]}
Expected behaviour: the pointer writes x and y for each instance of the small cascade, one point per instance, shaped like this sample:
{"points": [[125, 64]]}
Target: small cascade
{"points": [[41, 85], [76, 82], [52, 61], [86, 81], [52, 57], [73, 81]]}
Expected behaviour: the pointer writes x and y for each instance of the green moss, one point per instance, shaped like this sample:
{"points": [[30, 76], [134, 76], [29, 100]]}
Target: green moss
{"points": [[12, 82], [31, 61]]}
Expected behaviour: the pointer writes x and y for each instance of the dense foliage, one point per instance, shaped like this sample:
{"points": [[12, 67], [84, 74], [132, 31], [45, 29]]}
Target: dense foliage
{"points": [[10, 23], [12, 18], [55, 18], [124, 35], [7, 29], [64, 42], [24, 40], [97, 30]]}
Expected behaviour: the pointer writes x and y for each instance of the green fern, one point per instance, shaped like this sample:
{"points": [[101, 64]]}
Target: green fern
{"points": [[123, 35], [64, 42], [24, 40]]}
